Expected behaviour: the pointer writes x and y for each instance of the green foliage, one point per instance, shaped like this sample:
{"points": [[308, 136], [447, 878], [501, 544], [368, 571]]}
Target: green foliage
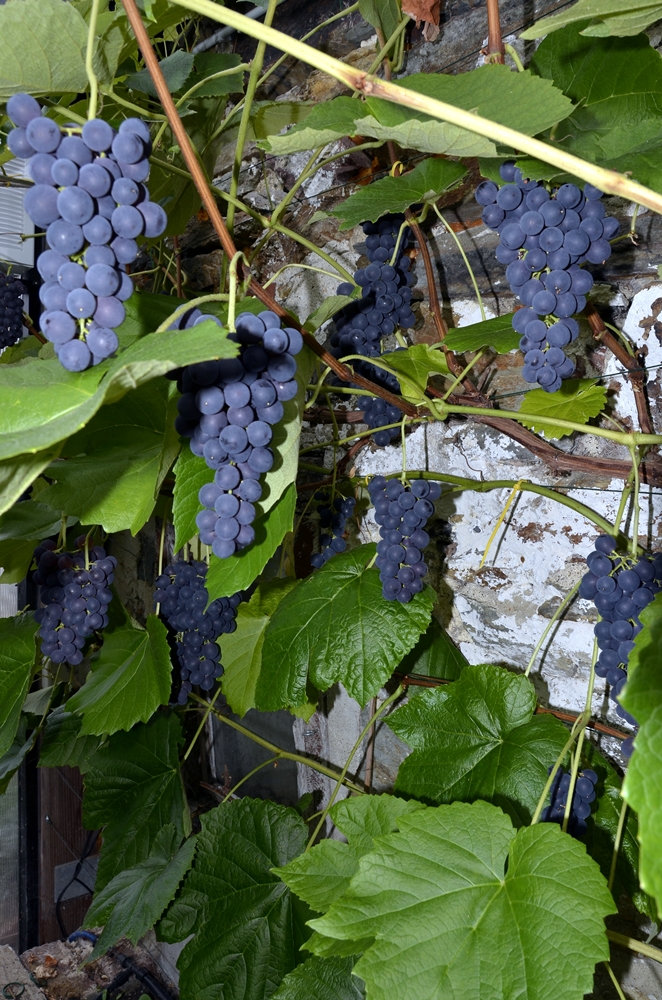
{"points": [[17, 668], [227, 576], [381, 14], [20, 528], [642, 789], [133, 789], [135, 899], [128, 681], [62, 744], [176, 69], [20, 747], [336, 626], [191, 474], [115, 466], [206, 65], [445, 870], [328, 309], [497, 333], [435, 655], [394, 194], [42, 48], [321, 979], [247, 929], [416, 364], [242, 649], [609, 17], [324, 123], [578, 400], [478, 739], [18, 473]]}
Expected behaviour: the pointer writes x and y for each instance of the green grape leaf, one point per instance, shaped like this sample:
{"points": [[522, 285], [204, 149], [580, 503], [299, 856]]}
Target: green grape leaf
{"points": [[434, 655], [17, 668], [134, 900], [226, 576], [578, 400], [497, 333], [427, 135], [321, 979], [322, 874], [145, 312], [20, 527], [382, 14], [16, 753], [328, 309], [128, 681], [439, 904], [642, 788], [416, 363], [336, 626], [191, 474], [206, 65], [133, 788], [324, 123], [247, 927], [478, 739], [62, 744], [176, 69], [615, 17], [43, 403], [19, 472], [242, 649], [42, 48], [394, 194], [116, 464]]}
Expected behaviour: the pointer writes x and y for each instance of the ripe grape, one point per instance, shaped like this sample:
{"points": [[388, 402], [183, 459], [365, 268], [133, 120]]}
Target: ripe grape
{"points": [[583, 796], [333, 515], [402, 513], [11, 310]]}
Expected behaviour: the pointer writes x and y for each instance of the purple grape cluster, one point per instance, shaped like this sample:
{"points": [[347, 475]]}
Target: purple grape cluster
{"points": [[620, 587], [582, 798], [11, 310], [333, 515], [89, 194], [385, 305], [402, 513], [544, 238], [75, 598], [228, 409], [183, 597]]}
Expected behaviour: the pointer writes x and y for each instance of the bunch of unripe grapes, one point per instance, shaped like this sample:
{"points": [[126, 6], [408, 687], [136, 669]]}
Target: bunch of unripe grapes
{"points": [[545, 235], [583, 796], [11, 310], [90, 196], [75, 594], [228, 409], [333, 514], [402, 513], [183, 598]]}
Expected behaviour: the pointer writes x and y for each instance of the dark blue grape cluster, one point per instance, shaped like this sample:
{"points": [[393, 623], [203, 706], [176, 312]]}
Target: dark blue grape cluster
{"points": [[385, 305], [333, 515], [402, 513], [543, 240], [183, 598], [620, 587], [582, 798], [75, 598], [11, 310], [90, 197], [228, 409]]}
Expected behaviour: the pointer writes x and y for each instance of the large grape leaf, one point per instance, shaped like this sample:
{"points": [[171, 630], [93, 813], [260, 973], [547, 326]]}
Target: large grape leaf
{"points": [[578, 400], [382, 14], [18, 473], [324, 123], [115, 466], [247, 927], [133, 788], [16, 753], [394, 194], [336, 626], [42, 48], [478, 739], [43, 403], [134, 900], [242, 649], [62, 744], [227, 576], [191, 474], [435, 655], [413, 366], [176, 69], [21, 527], [497, 333], [642, 789], [17, 668], [459, 906], [128, 681], [610, 17], [321, 979]]}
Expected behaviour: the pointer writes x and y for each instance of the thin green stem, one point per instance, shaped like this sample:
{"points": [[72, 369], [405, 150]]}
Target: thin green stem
{"points": [[251, 87], [346, 276], [278, 751], [304, 267], [343, 774], [634, 538], [203, 723], [633, 224], [232, 302], [617, 985], [580, 740], [465, 371], [360, 434], [89, 61], [335, 452], [65, 112], [468, 266], [301, 179], [633, 945], [191, 304], [617, 844], [627, 490], [341, 389], [514, 55], [109, 92], [388, 45], [246, 777], [403, 448], [580, 722], [567, 600], [316, 389]]}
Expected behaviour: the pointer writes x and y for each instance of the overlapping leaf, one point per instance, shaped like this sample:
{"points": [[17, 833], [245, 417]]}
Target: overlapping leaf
{"points": [[42, 48], [608, 17], [20, 528], [19, 472], [413, 367], [62, 744], [578, 400], [497, 333], [321, 979], [336, 626], [478, 739], [191, 474], [17, 668], [435, 655]]}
